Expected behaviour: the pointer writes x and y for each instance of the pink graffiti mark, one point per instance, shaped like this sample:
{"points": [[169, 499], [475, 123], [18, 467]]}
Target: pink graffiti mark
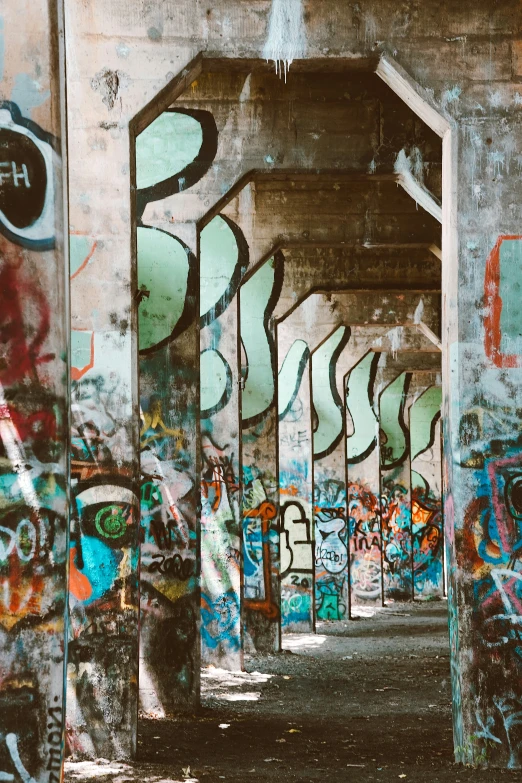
{"points": [[505, 590], [505, 525], [492, 328]]}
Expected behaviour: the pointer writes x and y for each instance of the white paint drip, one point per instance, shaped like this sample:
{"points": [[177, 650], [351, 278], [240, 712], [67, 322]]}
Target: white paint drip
{"points": [[286, 39], [419, 312], [395, 337]]}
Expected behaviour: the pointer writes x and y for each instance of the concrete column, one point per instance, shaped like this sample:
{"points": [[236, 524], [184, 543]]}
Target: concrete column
{"points": [[395, 491], [258, 297], [34, 493], [325, 311], [295, 488], [362, 464], [426, 494], [396, 525], [362, 457], [330, 363], [329, 483], [224, 258]]}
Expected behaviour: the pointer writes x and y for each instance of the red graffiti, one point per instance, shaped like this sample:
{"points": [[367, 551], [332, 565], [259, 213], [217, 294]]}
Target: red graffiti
{"points": [[24, 320], [492, 328], [266, 511]]}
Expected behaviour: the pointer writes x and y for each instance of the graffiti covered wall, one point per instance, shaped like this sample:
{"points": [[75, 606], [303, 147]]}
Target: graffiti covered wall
{"points": [[223, 258]]}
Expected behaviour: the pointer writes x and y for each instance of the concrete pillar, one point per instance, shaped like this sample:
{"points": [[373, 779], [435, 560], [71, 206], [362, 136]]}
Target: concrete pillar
{"points": [[395, 491], [330, 363], [34, 493], [362, 464], [224, 258], [328, 480], [363, 461], [426, 494], [168, 351], [325, 311], [295, 488], [396, 482], [258, 297]]}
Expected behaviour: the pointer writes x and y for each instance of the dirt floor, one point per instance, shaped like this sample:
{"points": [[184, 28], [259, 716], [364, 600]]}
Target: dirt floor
{"points": [[368, 700]]}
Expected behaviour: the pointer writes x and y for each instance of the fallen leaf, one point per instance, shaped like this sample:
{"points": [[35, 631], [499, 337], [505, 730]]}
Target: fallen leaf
{"points": [[281, 740], [286, 677], [293, 731], [402, 776]]}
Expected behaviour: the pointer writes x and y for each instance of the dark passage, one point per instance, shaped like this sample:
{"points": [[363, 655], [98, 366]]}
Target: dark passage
{"points": [[370, 700]]}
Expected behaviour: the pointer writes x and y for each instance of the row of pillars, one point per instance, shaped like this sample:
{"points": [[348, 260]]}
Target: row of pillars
{"points": [[144, 532]]}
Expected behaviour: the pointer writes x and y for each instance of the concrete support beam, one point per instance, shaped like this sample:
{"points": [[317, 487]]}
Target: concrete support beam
{"points": [[34, 440], [340, 208]]}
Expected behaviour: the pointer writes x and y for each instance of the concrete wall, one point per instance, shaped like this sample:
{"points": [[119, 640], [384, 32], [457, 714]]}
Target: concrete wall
{"points": [[34, 488]]}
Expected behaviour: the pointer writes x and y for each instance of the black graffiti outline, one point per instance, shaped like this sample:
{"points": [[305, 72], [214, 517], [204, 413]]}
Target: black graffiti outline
{"points": [[243, 256], [402, 424], [299, 377], [189, 307], [227, 393], [335, 394], [277, 287], [285, 533], [431, 441], [371, 384], [193, 171], [54, 143]]}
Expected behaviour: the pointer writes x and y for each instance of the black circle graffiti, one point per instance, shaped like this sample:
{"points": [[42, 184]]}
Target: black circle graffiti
{"points": [[23, 178]]}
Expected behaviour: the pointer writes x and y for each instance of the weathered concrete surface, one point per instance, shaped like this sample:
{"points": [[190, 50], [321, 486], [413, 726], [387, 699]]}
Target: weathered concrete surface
{"points": [[283, 209], [221, 533], [34, 493], [295, 465]]}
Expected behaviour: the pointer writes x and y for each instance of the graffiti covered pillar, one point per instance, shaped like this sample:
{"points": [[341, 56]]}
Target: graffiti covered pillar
{"points": [[261, 609], [426, 494], [224, 258], [395, 490], [168, 351], [33, 395], [329, 485], [362, 463], [295, 489]]}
